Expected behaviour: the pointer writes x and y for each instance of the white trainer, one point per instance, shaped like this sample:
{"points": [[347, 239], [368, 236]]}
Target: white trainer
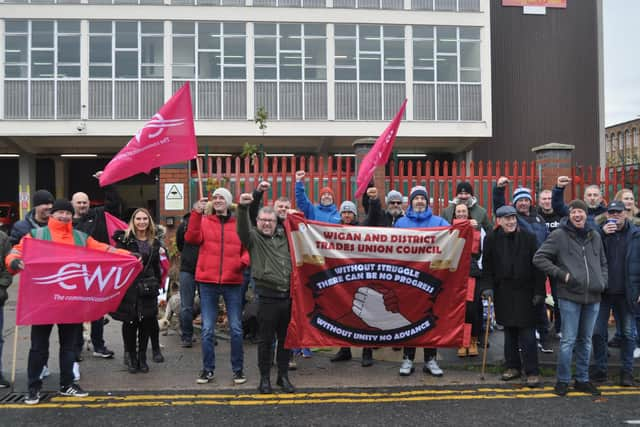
{"points": [[406, 368], [431, 367], [636, 353]]}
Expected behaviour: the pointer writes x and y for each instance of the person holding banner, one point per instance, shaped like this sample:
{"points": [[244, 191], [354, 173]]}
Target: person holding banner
{"points": [[138, 310], [5, 282], [419, 215], [219, 272], [271, 270], [59, 229], [508, 274]]}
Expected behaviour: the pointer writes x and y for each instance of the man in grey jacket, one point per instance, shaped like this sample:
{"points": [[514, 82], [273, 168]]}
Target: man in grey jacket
{"points": [[271, 271], [574, 255]]}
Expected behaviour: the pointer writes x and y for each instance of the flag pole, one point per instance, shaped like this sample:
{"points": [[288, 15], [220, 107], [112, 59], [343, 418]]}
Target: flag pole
{"points": [[199, 169]]}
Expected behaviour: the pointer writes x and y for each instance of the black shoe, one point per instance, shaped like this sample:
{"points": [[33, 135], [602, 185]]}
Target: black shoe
{"points": [[104, 353], [598, 376], [125, 359], [4, 383], [33, 397], [73, 390], [205, 377], [561, 389], [157, 356], [239, 377], [142, 362], [283, 381], [132, 363], [265, 385], [586, 387], [626, 379], [342, 355], [186, 343], [615, 342], [367, 357]]}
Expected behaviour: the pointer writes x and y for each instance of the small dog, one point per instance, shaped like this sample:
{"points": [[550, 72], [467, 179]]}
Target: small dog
{"points": [[86, 335], [172, 308]]}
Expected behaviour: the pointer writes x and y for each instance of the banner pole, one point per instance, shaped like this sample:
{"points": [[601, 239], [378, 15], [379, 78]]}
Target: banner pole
{"points": [[199, 169], [13, 365]]}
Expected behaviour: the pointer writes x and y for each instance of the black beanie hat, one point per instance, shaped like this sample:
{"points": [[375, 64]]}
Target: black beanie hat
{"points": [[62, 205], [41, 197], [464, 187]]}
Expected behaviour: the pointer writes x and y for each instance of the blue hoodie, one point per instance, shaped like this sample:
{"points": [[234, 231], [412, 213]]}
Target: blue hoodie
{"points": [[424, 219], [318, 212]]}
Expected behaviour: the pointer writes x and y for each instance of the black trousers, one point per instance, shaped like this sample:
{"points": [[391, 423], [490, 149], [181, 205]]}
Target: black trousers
{"points": [[525, 339], [273, 319], [39, 352], [410, 353], [136, 334]]}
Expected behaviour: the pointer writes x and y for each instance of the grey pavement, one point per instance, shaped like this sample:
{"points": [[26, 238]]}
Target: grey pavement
{"points": [[182, 365]]}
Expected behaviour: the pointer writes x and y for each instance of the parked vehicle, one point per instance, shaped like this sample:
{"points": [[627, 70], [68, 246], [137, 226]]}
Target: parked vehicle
{"points": [[9, 214]]}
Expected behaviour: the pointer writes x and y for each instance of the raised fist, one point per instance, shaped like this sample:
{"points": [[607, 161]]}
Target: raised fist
{"points": [[563, 181], [245, 199], [264, 186], [502, 181], [300, 175], [372, 192], [378, 308]]}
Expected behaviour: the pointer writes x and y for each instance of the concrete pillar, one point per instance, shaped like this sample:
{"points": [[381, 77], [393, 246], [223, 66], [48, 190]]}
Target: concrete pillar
{"points": [[60, 167], [26, 181], [552, 161], [361, 148]]}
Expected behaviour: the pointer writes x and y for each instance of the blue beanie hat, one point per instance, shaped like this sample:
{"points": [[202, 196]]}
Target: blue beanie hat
{"points": [[418, 190], [521, 193]]}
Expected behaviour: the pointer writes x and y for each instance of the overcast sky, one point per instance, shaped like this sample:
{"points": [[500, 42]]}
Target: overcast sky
{"points": [[621, 60]]}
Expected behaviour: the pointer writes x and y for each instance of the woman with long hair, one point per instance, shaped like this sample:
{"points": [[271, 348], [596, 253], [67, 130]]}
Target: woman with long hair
{"points": [[138, 310], [626, 197]]}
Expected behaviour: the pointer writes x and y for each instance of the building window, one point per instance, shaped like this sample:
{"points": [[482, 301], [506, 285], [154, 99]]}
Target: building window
{"points": [[125, 69], [42, 69], [213, 56], [447, 5], [291, 70], [370, 71], [446, 73]]}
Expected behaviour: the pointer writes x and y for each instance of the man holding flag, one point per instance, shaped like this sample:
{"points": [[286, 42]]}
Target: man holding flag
{"points": [[59, 229]]}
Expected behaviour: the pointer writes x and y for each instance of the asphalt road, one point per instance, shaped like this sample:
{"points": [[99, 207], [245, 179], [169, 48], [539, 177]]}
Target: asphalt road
{"points": [[461, 406]]}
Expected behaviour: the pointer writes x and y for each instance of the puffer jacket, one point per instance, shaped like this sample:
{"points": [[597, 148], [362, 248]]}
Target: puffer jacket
{"points": [[133, 306], [24, 226], [222, 256], [426, 219], [318, 212], [579, 253], [270, 257]]}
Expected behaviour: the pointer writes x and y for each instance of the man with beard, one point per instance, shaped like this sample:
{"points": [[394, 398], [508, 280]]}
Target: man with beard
{"points": [[37, 217], [477, 214], [325, 211]]}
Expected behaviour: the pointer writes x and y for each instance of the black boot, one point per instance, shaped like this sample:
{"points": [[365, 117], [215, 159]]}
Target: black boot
{"points": [[142, 362], [125, 359], [265, 385], [157, 356], [285, 384], [132, 363], [367, 357], [342, 355]]}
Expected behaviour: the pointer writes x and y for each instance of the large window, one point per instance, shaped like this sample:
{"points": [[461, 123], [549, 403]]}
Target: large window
{"points": [[213, 56], [125, 69], [446, 73], [291, 70], [447, 5], [370, 71], [42, 69]]}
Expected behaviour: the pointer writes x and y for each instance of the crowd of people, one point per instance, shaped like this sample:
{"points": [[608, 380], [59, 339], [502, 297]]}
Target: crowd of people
{"points": [[587, 252]]}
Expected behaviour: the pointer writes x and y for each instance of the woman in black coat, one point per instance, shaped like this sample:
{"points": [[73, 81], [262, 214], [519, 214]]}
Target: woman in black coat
{"points": [[508, 274], [138, 310]]}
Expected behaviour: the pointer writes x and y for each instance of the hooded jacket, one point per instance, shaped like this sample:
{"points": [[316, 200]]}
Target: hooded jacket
{"points": [[317, 212], [25, 225], [579, 253], [426, 219], [222, 257], [476, 212]]}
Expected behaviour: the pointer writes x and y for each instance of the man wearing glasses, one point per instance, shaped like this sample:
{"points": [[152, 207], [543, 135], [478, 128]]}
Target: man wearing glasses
{"points": [[271, 271], [621, 295]]}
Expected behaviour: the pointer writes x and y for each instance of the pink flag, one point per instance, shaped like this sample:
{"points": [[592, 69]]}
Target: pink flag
{"points": [[379, 153], [71, 284], [169, 137], [113, 224], [164, 267]]}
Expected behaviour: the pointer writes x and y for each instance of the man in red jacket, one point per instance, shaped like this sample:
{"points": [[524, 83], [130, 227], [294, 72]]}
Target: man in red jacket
{"points": [[221, 261]]}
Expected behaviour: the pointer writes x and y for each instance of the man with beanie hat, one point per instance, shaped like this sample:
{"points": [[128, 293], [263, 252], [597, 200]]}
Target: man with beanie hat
{"points": [[574, 255], [325, 211], [377, 217], [528, 219], [59, 229], [419, 215], [93, 222], [222, 259], [41, 203], [477, 214]]}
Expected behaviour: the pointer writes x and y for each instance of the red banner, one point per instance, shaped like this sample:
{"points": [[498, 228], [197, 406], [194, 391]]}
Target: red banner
{"points": [[113, 223], [376, 286], [545, 3], [379, 153], [71, 284], [169, 137]]}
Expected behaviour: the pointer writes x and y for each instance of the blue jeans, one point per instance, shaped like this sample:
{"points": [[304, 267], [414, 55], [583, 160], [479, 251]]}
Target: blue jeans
{"points": [[209, 295], [578, 321], [601, 332], [187, 295]]}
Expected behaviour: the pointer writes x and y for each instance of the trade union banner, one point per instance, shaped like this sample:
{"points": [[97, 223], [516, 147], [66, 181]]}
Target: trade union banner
{"points": [[376, 286], [64, 283]]}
